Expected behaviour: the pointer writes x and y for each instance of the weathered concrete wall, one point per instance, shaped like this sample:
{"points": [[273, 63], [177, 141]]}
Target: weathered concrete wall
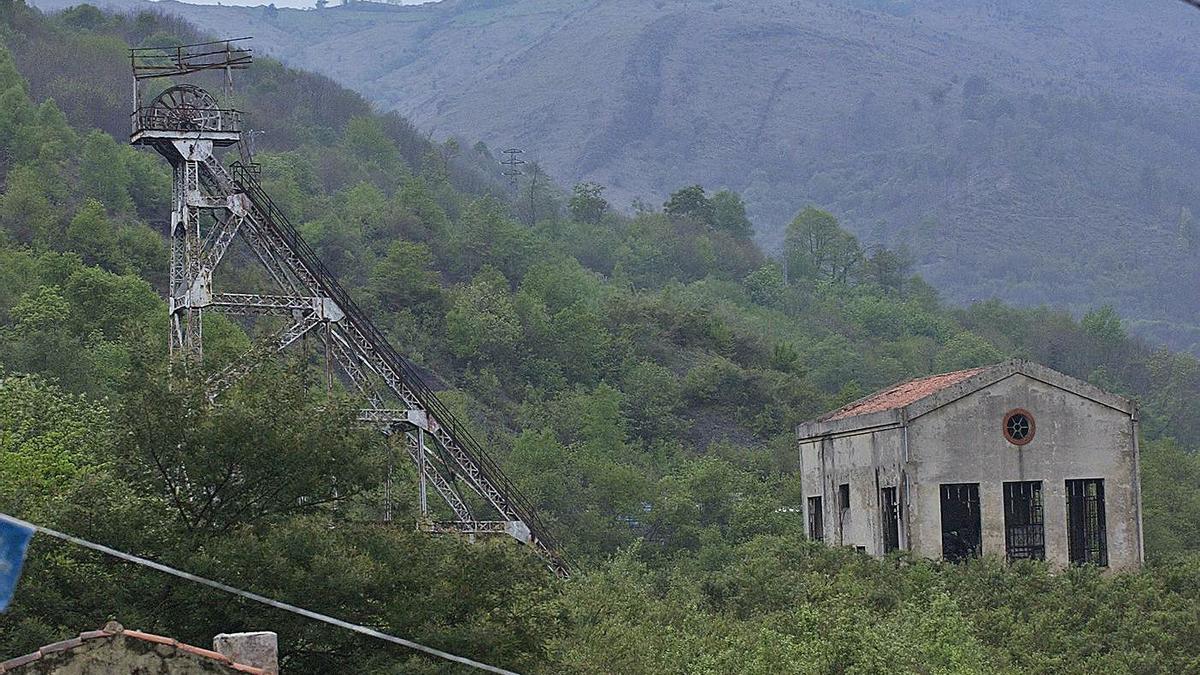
{"points": [[867, 461], [963, 442]]}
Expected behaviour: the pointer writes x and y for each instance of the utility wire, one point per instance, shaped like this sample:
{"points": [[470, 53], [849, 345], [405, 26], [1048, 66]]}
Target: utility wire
{"points": [[258, 598]]}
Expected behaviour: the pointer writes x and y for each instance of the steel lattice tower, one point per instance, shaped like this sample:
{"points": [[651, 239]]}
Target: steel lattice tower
{"points": [[211, 207]]}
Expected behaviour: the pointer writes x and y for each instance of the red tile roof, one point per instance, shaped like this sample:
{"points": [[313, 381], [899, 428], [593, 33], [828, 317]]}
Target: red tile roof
{"points": [[111, 630], [901, 394]]}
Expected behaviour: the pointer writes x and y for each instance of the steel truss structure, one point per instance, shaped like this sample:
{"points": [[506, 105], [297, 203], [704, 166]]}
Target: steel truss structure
{"points": [[211, 207]]}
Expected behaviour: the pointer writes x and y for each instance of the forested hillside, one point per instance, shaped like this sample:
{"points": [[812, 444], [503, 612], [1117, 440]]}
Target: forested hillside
{"points": [[1037, 152], [638, 377]]}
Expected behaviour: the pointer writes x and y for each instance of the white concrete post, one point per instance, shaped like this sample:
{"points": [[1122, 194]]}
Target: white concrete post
{"points": [[260, 650]]}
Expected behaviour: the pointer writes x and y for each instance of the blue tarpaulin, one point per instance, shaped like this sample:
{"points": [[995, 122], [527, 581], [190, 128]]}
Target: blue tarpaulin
{"points": [[14, 539]]}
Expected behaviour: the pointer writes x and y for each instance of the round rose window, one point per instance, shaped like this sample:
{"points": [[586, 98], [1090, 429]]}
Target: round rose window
{"points": [[1019, 427]]}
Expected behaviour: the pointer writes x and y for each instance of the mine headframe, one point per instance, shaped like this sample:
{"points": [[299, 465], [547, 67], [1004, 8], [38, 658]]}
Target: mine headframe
{"points": [[150, 63], [215, 207]]}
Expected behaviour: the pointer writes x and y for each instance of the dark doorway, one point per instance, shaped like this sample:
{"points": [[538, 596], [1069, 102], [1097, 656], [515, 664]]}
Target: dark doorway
{"points": [[891, 519], [960, 521], [1024, 521], [1087, 539], [816, 519], [843, 511]]}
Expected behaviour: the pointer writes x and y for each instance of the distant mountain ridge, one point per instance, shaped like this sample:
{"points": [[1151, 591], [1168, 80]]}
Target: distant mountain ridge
{"points": [[1037, 152]]}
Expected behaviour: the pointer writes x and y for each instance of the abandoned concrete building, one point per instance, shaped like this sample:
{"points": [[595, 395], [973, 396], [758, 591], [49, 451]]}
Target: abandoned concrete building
{"points": [[1013, 460]]}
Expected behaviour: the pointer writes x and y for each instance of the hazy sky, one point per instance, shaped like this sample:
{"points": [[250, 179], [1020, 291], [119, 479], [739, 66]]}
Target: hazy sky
{"points": [[305, 4]]}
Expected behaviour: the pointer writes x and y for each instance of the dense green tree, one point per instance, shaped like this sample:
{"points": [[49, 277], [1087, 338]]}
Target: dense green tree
{"points": [[103, 172], [482, 321], [888, 269], [1104, 326], [365, 137], [579, 341], [652, 400], [39, 340], [766, 285], [817, 247], [50, 439], [143, 251], [342, 248], [690, 202], [365, 208], [10, 77], [487, 236], [537, 200], [269, 453], [562, 283], [405, 277], [729, 214], [1172, 507], [587, 203], [966, 350], [93, 236], [27, 214], [16, 111]]}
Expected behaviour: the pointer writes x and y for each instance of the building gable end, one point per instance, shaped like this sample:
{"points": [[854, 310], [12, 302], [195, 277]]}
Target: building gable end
{"points": [[1009, 369], [986, 377]]}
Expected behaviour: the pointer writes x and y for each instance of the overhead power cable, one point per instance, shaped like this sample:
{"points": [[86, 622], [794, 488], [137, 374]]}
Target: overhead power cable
{"points": [[371, 632]]}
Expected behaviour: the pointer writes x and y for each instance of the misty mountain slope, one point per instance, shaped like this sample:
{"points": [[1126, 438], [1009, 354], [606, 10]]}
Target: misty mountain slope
{"points": [[1038, 152]]}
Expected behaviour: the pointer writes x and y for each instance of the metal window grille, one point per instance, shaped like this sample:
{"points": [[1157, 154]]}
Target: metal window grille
{"points": [[1024, 521], [1087, 538], [816, 519]]}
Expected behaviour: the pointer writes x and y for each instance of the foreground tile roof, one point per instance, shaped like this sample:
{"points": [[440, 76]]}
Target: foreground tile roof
{"points": [[111, 631], [901, 394]]}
